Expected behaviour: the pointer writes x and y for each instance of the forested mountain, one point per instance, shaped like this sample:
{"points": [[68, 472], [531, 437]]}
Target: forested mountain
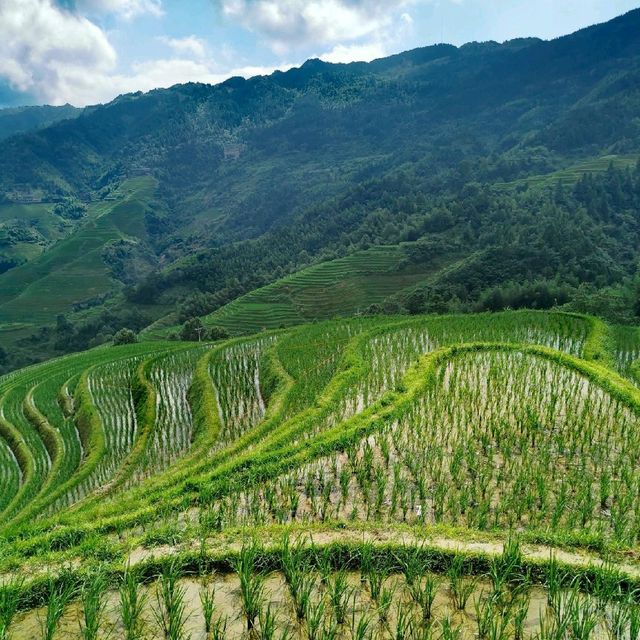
{"points": [[23, 119], [509, 167]]}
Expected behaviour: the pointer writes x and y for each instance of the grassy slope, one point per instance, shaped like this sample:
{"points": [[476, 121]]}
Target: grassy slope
{"points": [[366, 422], [571, 175], [348, 285], [339, 287], [40, 218], [73, 270]]}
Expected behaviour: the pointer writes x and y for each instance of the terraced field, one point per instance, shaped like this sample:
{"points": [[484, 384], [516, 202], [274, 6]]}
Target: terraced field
{"points": [[400, 477], [73, 270], [572, 174], [341, 287]]}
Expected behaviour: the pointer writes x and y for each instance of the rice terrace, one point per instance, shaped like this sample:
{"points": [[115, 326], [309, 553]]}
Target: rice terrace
{"points": [[423, 477], [319, 320]]}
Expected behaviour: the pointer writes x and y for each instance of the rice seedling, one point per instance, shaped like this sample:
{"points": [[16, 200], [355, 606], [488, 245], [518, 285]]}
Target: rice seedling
{"points": [[297, 572], [520, 612], [499, 626], [634, 618], [580, 614], [267, 623], [387, 595], [554, 581], [471, 487], [404, 623], [460, 586], [375, 582], [423, 592], [207, 601], [360, 629], [337, 423], [93, 606], [314, 616], [325, 564], [617, 620], [219, 628], [169, 611], [251, 584], [340, 595], [329, 631], [9, 602], [173, 429], [236, 379], [60, 594], [132, 605], [302, 596], [484, 612], [448, 631]]}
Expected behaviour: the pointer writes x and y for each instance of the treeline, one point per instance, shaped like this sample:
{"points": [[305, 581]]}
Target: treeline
{"points": [[572, 246], [529, 248]]}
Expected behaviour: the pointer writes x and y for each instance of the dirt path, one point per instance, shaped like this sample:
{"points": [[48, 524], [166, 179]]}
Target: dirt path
{"points": [[229, 544]]}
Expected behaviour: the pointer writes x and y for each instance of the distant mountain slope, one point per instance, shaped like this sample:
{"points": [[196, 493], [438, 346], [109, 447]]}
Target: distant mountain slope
{"points": [[75, 270], [199, 136], [259, 178], [389, 273], [341, 287], [23, 119]]}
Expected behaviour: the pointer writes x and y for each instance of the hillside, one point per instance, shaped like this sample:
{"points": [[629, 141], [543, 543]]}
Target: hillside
{"points": [[459, 148], [346, 457], [343, 287], [16, 120], [375, 279]]}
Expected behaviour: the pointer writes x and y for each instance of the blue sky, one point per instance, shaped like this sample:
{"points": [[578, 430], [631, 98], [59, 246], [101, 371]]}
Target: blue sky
{"points": [[89, 51]]}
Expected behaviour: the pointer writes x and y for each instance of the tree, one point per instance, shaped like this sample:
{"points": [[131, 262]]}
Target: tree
{"points": [[217, 333], [192, 330], [65, 334], [416, 302], [373, 310], [125, 336], [197, 304], [70, 209]]}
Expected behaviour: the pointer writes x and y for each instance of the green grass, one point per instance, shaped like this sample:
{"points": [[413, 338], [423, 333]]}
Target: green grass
{"points": [[341, 287], [40, 218], [73, 270], [571, 175]]}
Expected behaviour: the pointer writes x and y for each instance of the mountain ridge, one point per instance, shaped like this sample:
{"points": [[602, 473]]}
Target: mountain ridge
{"points": [[257, 178]]}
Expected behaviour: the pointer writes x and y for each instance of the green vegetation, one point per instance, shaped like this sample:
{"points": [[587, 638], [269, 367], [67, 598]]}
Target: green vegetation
{"points": [[410, 183], [359, 361], [74, 271], [341, 287], [571, 175], [22, 119], [500, 448]]}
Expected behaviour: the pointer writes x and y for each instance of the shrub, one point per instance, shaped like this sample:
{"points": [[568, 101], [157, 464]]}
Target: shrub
{"points": [[125, 336]]}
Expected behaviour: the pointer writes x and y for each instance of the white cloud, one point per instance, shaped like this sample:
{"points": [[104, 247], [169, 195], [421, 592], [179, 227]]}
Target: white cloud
{"points": [[189, 46], [355, 52], [286, 23], [44, 49], [60, 55], [407, 19], [82, 89], [126, 9], [165, 73]]}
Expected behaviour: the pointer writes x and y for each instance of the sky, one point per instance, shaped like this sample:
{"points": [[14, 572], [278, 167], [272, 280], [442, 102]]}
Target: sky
{"points": [[89, 51]]}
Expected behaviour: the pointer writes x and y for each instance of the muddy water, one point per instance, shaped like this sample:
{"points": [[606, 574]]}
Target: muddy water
{"points": [[27, 626]]}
